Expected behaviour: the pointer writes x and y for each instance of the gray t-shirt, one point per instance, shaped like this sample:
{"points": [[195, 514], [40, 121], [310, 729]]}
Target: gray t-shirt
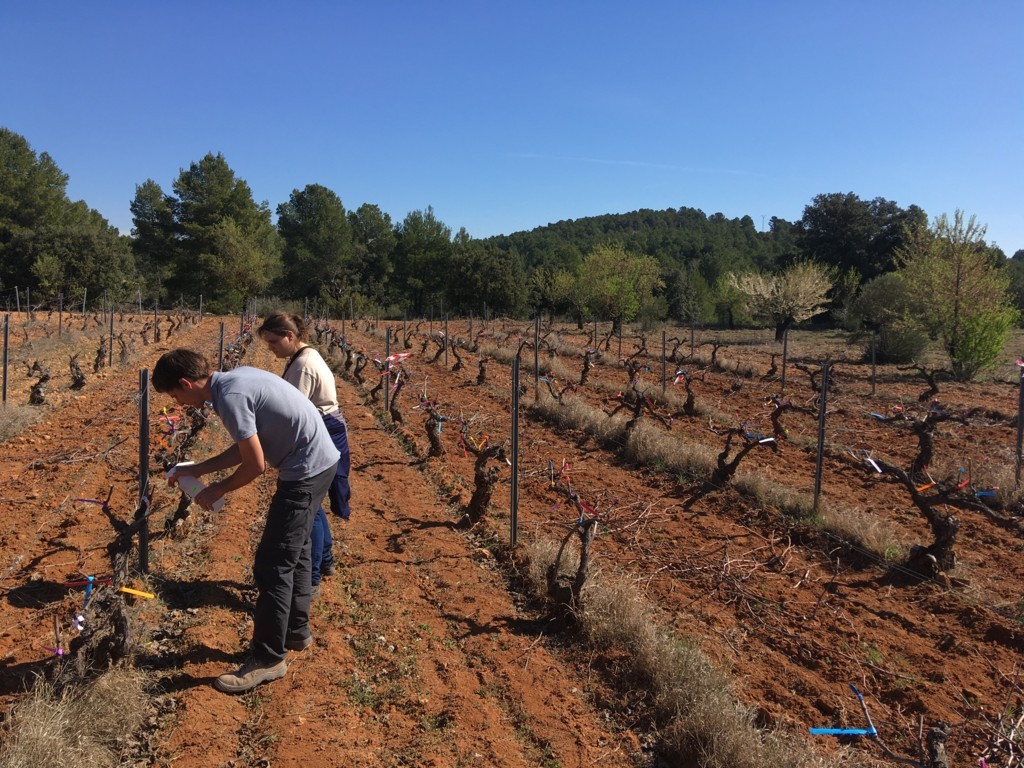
{"points": [[250, 401]]}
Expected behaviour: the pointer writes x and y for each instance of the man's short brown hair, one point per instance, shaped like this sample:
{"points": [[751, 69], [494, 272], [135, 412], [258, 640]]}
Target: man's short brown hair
{"points": [[176, 365]]}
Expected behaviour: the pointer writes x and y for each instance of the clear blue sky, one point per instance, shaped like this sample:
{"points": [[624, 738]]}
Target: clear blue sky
{"points": [[508, 116]]}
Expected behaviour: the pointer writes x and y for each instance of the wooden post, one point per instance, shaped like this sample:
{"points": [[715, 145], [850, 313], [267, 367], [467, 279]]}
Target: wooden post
{"points": [[536, 358], [664, 371], [387, 369], [7, 328], [513, 505], [785, 348], [821, 433], [143, 470], [1020, 413], [220, 354], [874, 337]]}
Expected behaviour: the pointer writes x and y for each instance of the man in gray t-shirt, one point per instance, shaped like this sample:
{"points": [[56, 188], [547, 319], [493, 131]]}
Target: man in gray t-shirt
{"points": [[271, 424]]}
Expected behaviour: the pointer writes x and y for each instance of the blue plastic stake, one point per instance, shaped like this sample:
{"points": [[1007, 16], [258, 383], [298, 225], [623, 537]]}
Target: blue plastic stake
{"points": [[843, 731]]}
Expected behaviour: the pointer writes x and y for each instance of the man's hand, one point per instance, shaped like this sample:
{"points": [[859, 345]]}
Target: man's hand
{"points": [[209, 496]]}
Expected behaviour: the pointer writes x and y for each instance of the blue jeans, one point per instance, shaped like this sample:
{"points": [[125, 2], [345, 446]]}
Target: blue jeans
{"points": [[339, 493], [321, 544]]}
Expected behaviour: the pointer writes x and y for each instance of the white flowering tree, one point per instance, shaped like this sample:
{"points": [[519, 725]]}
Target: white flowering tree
{"points": [[797, 293]]}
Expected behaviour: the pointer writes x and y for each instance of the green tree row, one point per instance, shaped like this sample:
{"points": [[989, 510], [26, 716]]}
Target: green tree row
{"points": [[49, 243], [207, 235]]}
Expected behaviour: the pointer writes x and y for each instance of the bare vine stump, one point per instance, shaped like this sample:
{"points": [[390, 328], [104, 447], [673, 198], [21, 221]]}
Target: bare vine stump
{"points": [[564, 592], [100, 360], [396, 415], [108, 637], [939, 556], [935, 745], [588, 364], [77, 377], [37, 394], [484, 479], [433, 427], [481, 377]]}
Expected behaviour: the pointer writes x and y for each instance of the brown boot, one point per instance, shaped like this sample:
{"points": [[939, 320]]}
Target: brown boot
{"points": [[251, 674]]}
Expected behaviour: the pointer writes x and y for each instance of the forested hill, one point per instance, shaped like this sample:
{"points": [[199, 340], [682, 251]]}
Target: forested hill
{"points": [[680, 239], [205, 235]]}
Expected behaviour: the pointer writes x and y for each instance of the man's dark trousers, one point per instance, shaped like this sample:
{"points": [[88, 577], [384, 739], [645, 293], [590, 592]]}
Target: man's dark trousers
{"points": [[283, 566]]}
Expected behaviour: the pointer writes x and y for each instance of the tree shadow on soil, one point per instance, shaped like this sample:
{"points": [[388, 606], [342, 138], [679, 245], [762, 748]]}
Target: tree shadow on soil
{"points": [[19, 678], [511, 624], [197, 593], [36, 594]]}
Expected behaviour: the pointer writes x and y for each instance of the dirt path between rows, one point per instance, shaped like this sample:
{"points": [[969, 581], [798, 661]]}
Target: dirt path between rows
{"points": [[422, 656]]}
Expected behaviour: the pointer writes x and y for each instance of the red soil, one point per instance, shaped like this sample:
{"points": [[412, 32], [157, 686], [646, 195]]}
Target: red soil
{"points": [[423, 656]]}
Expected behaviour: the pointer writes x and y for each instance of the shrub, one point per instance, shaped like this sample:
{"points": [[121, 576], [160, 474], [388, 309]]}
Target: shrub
{"points": [[886, 303]]}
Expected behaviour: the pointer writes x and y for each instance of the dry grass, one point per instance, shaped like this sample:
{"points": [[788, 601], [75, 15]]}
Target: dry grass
{"points": [[864, 530], [651, 446], [548, 366], [771, 493], [15, 419], [576, 414], [701, 722], [82, 725]]}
